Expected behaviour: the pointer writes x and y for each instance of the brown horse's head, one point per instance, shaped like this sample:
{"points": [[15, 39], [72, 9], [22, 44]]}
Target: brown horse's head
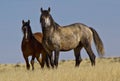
{"points": [[26, 29]]}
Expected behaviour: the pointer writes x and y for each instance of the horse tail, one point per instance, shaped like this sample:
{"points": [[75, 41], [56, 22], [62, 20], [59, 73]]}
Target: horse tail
{"points": [[98, 42]]}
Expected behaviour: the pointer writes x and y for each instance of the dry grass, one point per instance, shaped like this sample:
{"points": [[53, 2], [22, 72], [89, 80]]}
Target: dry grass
{"points": [[106, 69]]}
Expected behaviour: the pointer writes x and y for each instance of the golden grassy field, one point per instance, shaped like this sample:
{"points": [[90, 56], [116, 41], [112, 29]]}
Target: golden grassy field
{"points": [[106, 69]]}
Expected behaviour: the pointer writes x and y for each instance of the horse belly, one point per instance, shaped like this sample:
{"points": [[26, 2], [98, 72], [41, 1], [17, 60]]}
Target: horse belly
{"points": [[69, 44]]}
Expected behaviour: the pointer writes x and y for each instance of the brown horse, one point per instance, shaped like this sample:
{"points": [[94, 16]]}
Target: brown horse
{"points": [[65, 38], [31, 46]]}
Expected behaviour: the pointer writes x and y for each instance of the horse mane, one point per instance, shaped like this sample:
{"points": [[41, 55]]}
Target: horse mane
{"points": [[30, 30], [31, 34], [55, 24]]}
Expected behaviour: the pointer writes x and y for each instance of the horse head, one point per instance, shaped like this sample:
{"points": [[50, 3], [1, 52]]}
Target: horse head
{"points": [[46, 19], [26, 29]]}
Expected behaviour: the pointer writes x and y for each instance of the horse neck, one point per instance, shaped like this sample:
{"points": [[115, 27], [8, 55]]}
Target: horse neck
{"points": [[47, 31], [54, 24]]}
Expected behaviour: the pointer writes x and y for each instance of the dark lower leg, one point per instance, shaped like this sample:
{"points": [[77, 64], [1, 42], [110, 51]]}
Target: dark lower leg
{"points": [[51, 60], [43, 60], [40, 61], [77, 55], [32, 62], [47, 61], [92, 58], [27, 63], [56, 58], [77, 60], [91, 55]]}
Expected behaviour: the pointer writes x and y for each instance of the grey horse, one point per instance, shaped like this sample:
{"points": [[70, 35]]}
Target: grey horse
{"points": [[64, 38]]}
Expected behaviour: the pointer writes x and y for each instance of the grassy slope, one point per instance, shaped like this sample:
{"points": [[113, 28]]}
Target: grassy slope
{"points": [[105, 70]]}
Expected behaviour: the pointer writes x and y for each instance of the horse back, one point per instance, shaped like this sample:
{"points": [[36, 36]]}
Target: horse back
{"points": [[80, 31], [38, 36]]}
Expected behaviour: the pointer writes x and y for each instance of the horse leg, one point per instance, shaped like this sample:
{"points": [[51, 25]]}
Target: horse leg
{"points": [[89, 50], [56, 57], [47, 61], [39, 60], [43, 60], [27, 62], [78, 55], [32, 62], [50, 55]]}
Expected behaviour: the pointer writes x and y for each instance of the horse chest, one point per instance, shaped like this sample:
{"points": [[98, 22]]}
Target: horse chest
{"points": [[48, 43], [28, 48]]}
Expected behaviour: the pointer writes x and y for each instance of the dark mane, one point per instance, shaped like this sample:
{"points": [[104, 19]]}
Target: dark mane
{"points": [[55, 25]]}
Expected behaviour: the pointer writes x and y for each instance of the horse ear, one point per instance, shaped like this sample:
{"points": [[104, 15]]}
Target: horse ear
{"points": [[23, 22], [28, 21], [41, 10], [49, 9]]}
